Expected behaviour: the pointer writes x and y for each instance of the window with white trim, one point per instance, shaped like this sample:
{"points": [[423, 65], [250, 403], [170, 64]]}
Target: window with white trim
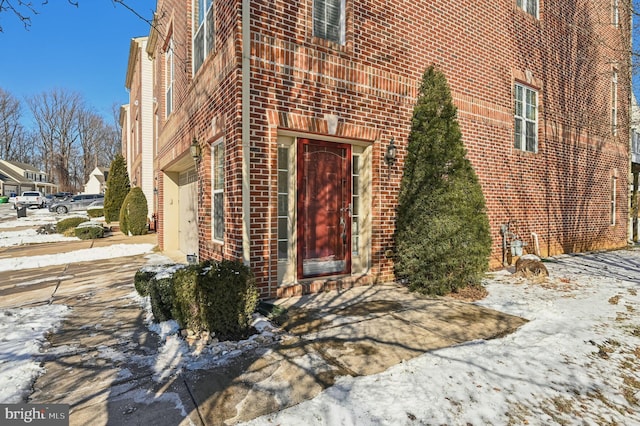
{"points": [[614, 187], [526, 118], [615, 13], [217, 190], [329, 20], [529, 6], [169, 77], [203, 31], [283, 203], [614, 102], [355, 205]]}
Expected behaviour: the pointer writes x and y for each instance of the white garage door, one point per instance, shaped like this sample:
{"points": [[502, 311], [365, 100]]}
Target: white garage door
{"points": [[10, 189], [188, 204]]}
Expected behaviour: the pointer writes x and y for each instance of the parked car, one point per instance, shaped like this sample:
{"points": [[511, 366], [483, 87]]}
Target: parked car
{"points": [[77, 202], [58, 196], [30, 199], [12, 199]]}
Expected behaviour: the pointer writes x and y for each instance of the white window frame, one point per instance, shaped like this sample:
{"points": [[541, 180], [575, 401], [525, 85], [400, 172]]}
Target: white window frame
{"points": [[203, 31], [614, 187], [532, 7], [217, 189], [615, 13], [614, 102], [525, 118], [169, 77], [320, 24]]}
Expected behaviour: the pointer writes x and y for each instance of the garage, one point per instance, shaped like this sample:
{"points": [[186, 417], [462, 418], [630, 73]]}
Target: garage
{"points": [[187, 211]]}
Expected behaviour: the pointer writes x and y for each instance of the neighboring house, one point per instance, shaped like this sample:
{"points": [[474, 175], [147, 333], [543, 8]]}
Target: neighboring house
{"points": [[136, 121], [290, 109], [97, 182], [19, 177]]}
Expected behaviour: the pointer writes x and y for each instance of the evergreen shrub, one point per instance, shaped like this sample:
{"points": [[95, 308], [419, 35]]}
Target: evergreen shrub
{"points": [[69, 223], [89, 231], [133, 214], [228, 297], [95, 212], [161, 295], [143, 276], [118, 186], [219, 297], [442, 237], [187, 310]]}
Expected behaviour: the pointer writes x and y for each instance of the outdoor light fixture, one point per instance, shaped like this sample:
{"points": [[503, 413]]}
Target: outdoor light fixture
{"points": [[194, 149], [392, 150]]}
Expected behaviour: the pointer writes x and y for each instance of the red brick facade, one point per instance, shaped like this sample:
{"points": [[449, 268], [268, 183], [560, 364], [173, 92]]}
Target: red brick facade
{"points": [[363, 92]]}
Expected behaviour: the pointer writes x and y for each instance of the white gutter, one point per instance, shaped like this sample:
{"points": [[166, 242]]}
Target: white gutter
{"points": [[246, 157]]}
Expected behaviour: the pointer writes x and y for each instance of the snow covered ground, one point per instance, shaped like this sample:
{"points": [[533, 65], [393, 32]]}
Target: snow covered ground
{"points": [[575, 362]]}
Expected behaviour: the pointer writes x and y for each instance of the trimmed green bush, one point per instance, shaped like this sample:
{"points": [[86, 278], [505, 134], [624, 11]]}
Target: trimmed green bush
{"points": [[219, 297], [95, 212], [442, 238], [133, 214], [69, 223], [89, 231], [143, 276], [162, 298], [187, 310], [142, 279], [228, 297], [117, 189]]}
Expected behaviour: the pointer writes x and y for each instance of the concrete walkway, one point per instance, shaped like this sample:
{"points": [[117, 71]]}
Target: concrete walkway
{"points": [[101, 360]]}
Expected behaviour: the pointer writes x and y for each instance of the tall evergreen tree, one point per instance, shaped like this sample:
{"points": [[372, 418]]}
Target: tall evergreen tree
{"points": [[117, 189], [442, 235]]}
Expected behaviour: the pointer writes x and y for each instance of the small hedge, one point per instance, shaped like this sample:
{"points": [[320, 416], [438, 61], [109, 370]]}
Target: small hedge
{"points": [[219, 297], [133, 214], [162, 298], [70, 223], [89, 231], [95, 212]]}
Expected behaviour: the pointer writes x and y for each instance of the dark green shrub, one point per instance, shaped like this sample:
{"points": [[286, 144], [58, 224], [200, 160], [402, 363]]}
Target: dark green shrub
{"points": [[95, 212], [442, 237], [186, 307], [117, 189], [161, 295], [89, 231], [70, 223], [133, 214], [143, 276], [228, 297], [142, 279], [215, 296]]}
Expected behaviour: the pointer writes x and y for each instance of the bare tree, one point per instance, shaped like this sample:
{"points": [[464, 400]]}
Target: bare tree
{"points": [[23, 10], [11, 131], [56, 117]]}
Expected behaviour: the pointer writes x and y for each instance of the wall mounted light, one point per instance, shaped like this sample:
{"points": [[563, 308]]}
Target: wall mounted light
{"points": [[194, 149], [392, 151]]}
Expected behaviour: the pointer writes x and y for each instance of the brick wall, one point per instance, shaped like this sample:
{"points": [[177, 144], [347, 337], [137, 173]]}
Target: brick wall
{"points": [[562, 193]]}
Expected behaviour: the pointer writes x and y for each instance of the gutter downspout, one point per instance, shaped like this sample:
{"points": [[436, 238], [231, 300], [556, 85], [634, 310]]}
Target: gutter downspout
{"points": [[246, 154]]}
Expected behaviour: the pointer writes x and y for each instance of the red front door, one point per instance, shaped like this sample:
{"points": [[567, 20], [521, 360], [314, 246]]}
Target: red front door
{"points": [[324, 208]]}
